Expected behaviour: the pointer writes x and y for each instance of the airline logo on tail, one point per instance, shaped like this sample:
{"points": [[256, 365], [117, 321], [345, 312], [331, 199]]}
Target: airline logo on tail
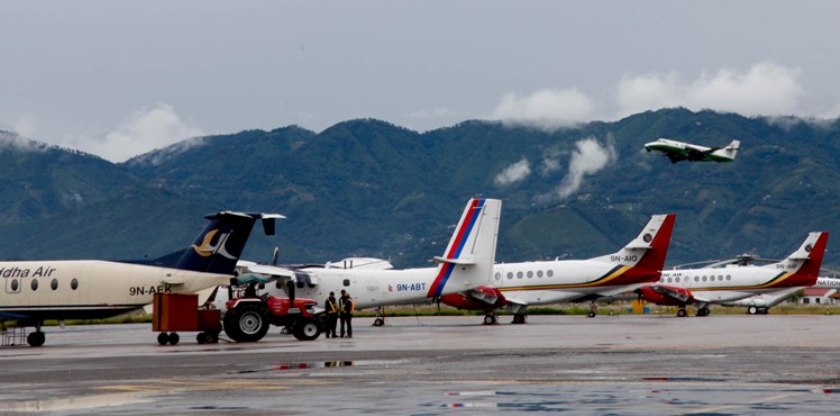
{"points": [[207, 248], [456, 246]]}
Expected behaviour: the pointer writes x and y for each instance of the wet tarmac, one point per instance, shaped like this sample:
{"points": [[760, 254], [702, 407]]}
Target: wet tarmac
{"points": [[633, 365]]}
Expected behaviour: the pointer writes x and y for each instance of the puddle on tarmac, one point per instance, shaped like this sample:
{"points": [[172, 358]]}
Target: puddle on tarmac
{"points": [[76, 403], [309, 365]]}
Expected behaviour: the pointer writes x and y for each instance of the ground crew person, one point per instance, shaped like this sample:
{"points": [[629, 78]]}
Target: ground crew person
{"points": [[345, 303], [331, 305]]}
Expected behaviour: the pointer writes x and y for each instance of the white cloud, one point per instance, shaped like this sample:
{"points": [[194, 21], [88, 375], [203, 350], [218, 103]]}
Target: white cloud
{"points": [[25, 125], [765, 89], [545, 109], [513, 173], [142, 131], [589, 157], [16, 142]]}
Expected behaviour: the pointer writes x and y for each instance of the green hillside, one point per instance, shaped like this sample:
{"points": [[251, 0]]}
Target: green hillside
{"points": [[367, 187]]}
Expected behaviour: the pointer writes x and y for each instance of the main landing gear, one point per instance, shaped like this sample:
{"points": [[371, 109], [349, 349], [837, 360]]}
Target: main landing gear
{"points": [[755, 310], [593, 310], [37, 338], [518, 318], [704, 311]]}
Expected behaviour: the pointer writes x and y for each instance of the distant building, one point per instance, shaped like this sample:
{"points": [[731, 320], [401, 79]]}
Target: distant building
{"points": [[814, 296]]}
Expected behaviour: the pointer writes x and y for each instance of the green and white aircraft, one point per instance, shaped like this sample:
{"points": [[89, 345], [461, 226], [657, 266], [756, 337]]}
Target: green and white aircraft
{"points": [[678, 151]]}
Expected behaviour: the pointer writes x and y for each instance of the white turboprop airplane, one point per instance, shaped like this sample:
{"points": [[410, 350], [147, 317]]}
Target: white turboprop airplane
{"points": [[466, 263], [93, 289], [519, 285], [760, 304], [678, 151], [721, 285]]}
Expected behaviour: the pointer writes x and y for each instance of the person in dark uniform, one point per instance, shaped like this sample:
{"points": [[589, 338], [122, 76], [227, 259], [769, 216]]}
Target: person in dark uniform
{"points": [[331, 305], [345, 303]]}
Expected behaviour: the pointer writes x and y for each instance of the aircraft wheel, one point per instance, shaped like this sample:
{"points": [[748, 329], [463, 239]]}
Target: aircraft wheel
{"points": [[489, 319], [681, 313], [591, 314], [248, 322], [752, 310], [163, 338], [36, 339], [201, 338], [174, 338], [518, 318], [378, 322], [306, 330], [763, 311], [703, 312]]}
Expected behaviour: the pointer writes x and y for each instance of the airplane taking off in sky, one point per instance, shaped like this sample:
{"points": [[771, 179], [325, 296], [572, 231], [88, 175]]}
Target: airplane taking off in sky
{"points": [[678, 151], [720, 285], [466, 263], [519, 285], [92, 289]]}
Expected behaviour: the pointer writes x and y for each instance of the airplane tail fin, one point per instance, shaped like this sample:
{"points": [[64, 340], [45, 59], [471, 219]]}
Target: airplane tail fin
{"points": [[218, 247], [643, 259], [730, 150], [802, 267], [468, 259]]}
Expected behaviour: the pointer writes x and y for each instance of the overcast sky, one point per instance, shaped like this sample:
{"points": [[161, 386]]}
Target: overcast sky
{"points": [[119, 78]]}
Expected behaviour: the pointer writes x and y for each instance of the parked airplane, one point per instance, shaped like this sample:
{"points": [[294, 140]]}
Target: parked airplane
{"points": [[760, 304], [719, 285], [93, 289], [677, 151], [466, 263], [519, 285]]}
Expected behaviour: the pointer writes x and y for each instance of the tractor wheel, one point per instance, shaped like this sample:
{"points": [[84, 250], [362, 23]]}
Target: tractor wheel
{"points": [[306, 330], [163, 338], [248, 322], [174, 338]]}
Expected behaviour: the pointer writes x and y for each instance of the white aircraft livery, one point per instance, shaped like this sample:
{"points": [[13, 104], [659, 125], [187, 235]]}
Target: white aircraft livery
{"points": [[678, 151], [519, 285], [91, 289], [466, 263], [721, 285]]}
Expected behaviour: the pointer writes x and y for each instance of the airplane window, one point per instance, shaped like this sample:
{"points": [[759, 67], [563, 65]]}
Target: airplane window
{"points": [[549, 273], [34, 284], [539, 273], [74, 284], [518, 275], [510, 275], [346, 282], [677, 279], [54, 284], [300, 285], [704, 278], [14, 285], [498, 275], [669, 280], [728, 277], [720, 278], [696, 278], [530, 274]]}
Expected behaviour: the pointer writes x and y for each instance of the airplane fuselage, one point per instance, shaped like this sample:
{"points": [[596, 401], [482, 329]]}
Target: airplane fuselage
{"points": [[89, 289], [719, 285], [544, 282]]}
